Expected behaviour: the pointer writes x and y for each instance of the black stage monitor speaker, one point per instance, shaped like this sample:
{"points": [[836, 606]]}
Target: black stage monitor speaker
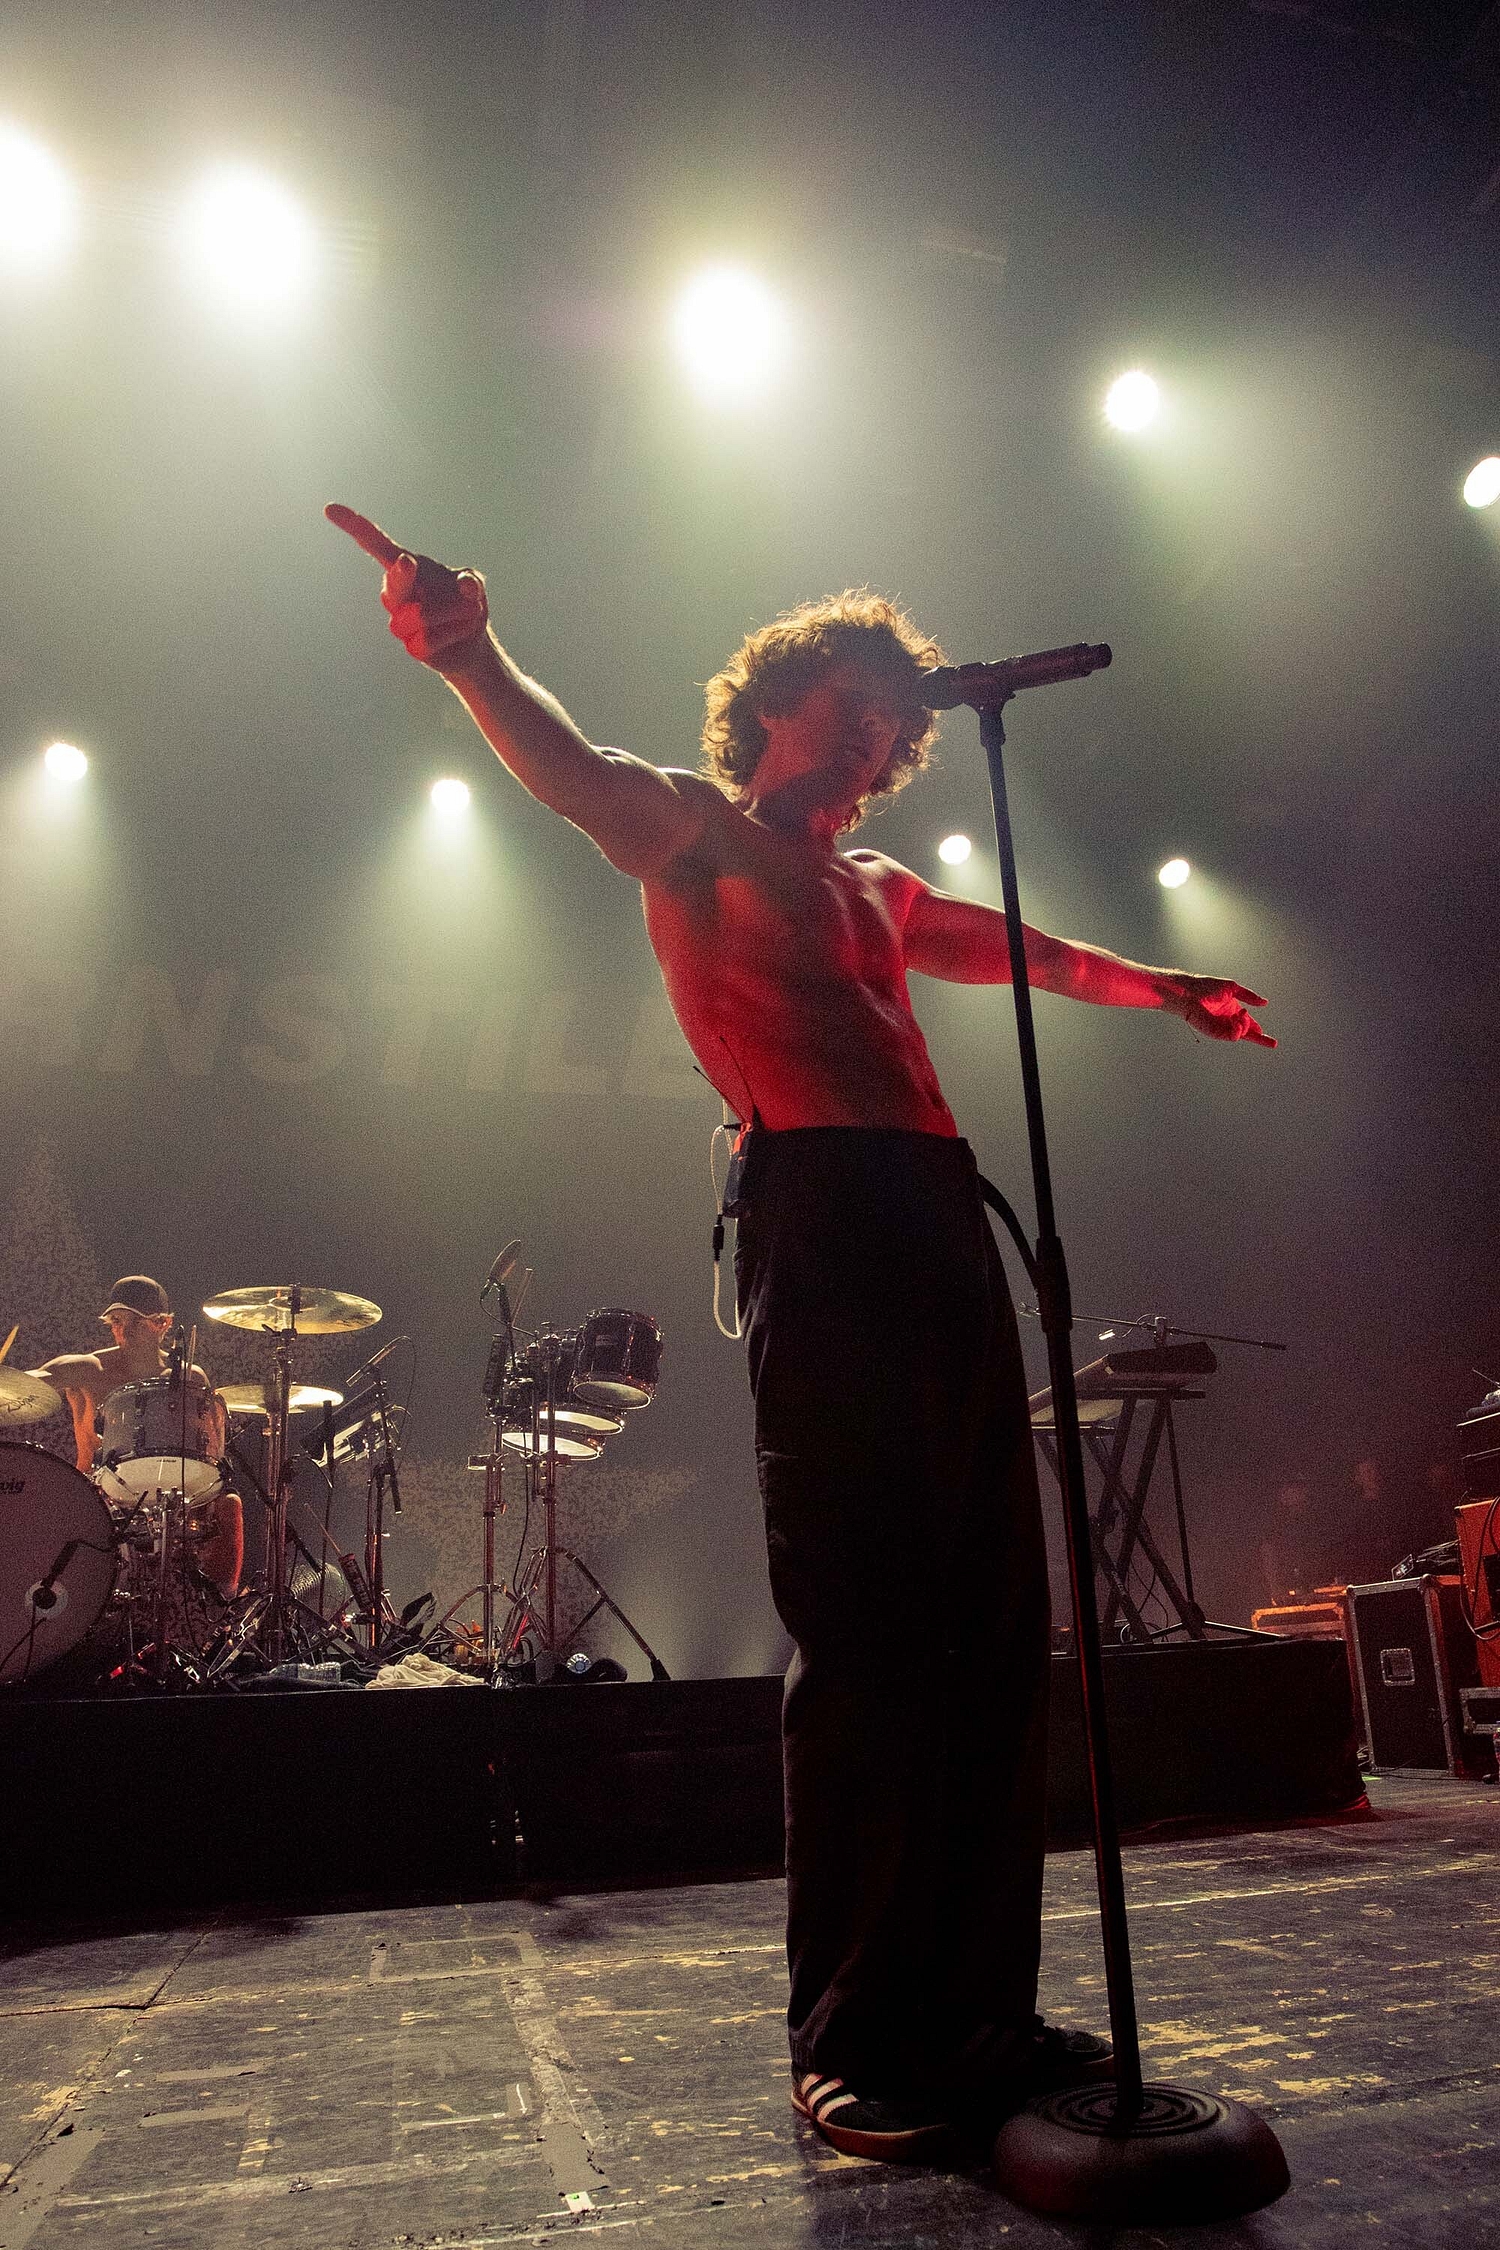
{"points": [[1413, 1652]]}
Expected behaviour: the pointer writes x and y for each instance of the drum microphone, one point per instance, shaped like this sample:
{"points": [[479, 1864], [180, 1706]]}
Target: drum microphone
{"points": [[364, 1373], [43, 1594], [501, 1271], [986, 684]]}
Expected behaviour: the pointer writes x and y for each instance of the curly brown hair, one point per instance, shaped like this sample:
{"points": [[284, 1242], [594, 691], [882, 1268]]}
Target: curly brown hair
{"points": [[774, 668]]}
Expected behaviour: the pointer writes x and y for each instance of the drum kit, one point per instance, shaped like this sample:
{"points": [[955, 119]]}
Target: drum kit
{"points": [[553, 1398], [100, 1583]]}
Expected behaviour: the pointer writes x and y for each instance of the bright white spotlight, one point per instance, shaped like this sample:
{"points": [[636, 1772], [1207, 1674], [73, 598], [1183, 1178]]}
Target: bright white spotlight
{"points": [[1482, 484], [954, 850], [449, 796], [37, 203], [65, 761], [1173, 875], [248, 240], [1132, 401], [730, 333]]}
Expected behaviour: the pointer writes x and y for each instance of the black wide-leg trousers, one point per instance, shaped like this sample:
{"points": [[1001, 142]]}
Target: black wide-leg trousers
{"points": [[907, 1562]]}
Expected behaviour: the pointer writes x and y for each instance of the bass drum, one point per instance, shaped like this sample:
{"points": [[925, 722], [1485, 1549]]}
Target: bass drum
{"points": [[58, 1559]]}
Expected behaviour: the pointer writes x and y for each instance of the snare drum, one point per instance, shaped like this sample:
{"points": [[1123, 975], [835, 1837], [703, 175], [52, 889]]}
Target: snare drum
{"points": [[142, 1448], [616, 1360], [51, 1520]]}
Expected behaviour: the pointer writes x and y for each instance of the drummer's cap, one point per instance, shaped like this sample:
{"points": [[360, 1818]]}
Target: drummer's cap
{"points": [[137, 1292]]}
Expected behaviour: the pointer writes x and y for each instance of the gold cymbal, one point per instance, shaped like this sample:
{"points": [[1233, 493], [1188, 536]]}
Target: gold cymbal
{"points": [[320, 1312], [259, 1398], [25, 1398]]}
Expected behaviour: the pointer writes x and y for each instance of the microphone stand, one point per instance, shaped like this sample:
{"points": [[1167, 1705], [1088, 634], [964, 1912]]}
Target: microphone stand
{"points": [[1128, 2152]]}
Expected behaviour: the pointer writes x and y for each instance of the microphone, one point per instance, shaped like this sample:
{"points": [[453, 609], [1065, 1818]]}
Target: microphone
{"points": [[362, 1374], [43, 1595], [986, 684], [504, 1266]]}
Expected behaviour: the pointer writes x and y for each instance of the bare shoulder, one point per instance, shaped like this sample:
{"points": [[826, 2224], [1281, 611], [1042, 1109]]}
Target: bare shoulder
{"points": [[74, 1370], [712, 815], [897, 885]]}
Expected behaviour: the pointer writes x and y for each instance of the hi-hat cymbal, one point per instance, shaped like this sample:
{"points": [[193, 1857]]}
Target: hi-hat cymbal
{"points": [[25, 1398], [260, 1398], [320, 1312]]}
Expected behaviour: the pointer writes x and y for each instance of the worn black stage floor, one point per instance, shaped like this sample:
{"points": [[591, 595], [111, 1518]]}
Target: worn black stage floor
{"points": [[467, 2073]]}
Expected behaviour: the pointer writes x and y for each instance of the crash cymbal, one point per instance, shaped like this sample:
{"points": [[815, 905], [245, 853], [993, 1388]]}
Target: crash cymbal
{"points": [[320, 1312], [259, 1398], [25, 1398]]}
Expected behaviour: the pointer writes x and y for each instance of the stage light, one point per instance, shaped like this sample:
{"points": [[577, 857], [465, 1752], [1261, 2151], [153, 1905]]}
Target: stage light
{"points": [[1173, 875], [37, 203], [730, 333], [1482, 484], [954, 850], [65, 761], [449, 796], [248, 240], [1132, 401]]}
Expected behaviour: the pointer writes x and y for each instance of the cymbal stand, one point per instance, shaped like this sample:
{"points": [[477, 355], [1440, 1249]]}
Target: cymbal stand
{"points": [[278, 1477], [382, 1478]]}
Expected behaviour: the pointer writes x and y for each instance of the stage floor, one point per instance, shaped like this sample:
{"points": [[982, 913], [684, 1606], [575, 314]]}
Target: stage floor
{"points": [[521, 2069]]}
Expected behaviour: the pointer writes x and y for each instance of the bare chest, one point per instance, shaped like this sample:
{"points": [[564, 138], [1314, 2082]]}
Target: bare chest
{"points": [[779, 915]]}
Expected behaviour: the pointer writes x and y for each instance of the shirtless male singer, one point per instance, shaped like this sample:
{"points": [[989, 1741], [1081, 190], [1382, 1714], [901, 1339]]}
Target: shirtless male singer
{"points": [[887, 1380]]}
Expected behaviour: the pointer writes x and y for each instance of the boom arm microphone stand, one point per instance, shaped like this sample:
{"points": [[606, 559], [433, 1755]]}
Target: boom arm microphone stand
{"points": [[1128, 2152]]}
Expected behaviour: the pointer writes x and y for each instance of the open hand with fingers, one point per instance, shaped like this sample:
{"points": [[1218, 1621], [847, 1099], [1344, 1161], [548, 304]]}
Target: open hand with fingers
{"points": [[1216, 1006], [438, 615]]}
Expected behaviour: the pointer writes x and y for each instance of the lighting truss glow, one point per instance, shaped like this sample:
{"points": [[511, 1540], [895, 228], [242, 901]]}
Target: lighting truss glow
{"points": [[248, 240], [954, 850], [449, 796], [1132, 401], [65, 761], [37, 203], [1173, 875], [1482, 484], [729, 330]]}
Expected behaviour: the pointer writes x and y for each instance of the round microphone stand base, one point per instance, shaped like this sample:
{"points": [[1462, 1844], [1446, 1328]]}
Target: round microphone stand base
{"points": [[1180, 2158]]}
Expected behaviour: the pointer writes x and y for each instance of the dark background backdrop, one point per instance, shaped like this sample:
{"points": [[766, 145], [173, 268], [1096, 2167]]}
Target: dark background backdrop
{"points": [[263, 1021]]}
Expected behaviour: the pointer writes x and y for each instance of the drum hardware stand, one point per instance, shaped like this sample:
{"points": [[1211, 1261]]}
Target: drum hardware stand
{"points": [[604, 1600], [541, 1566], [1127, 2152], [382, 1479]]}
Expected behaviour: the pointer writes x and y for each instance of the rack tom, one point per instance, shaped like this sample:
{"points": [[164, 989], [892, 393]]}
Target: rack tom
{"points": [[616, 1361]]}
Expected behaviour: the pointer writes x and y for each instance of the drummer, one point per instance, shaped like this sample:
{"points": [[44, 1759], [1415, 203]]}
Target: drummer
{"points": [[138, 1317]]}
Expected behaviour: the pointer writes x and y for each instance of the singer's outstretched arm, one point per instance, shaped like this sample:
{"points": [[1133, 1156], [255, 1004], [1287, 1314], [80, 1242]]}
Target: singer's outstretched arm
{"points": [[963, 941], [640, 816]]}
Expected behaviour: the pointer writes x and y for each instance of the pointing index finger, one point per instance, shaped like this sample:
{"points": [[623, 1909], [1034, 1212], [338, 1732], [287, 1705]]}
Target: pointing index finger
{"points": [[364, 533]]}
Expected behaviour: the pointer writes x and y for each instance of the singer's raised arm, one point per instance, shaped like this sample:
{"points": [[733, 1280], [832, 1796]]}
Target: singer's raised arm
{"points": [[640, 816]]}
